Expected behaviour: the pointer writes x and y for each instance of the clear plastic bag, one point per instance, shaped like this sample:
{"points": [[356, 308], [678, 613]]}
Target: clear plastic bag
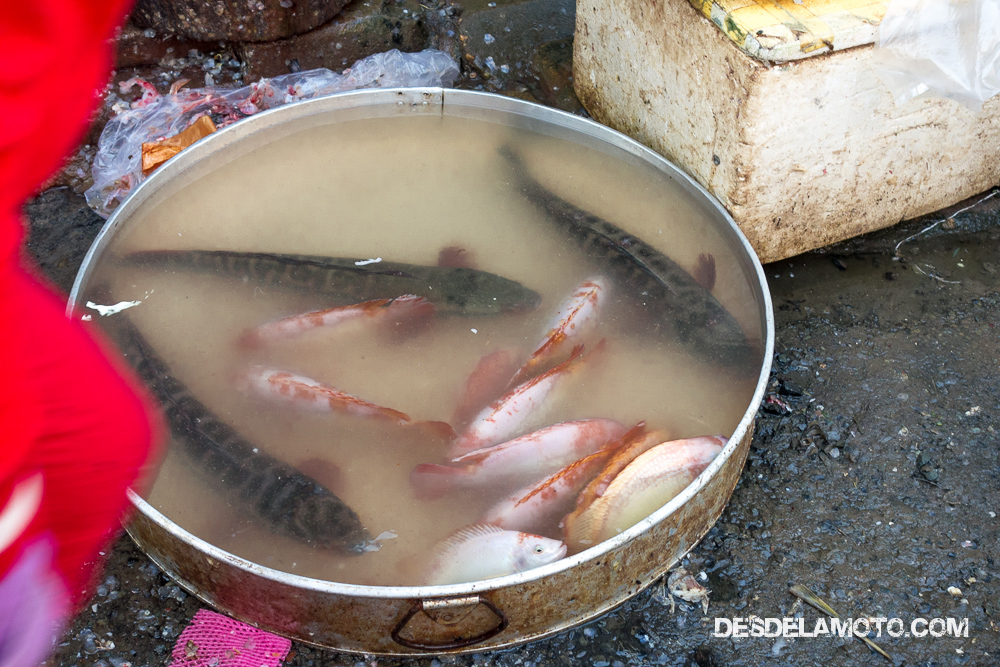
{"points": [[949, 48], [117, 166]]}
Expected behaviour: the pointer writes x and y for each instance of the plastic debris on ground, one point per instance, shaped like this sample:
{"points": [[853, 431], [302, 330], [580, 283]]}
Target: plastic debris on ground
{"points": [[214, 640], [153, 117], [940, 47]]}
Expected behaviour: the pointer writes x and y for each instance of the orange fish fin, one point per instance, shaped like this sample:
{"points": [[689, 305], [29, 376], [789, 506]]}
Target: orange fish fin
{"points": [[432, 480], [704, 272], [369, 308]]}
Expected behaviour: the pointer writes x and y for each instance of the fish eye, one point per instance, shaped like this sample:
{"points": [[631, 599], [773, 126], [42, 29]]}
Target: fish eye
{"points": [[539, 549]]}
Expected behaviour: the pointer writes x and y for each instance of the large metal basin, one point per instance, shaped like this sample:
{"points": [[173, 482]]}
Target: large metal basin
{"points": [[393, 620]]}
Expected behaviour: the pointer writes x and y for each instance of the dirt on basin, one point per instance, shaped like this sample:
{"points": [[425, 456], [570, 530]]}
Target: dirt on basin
{"points": [[873, 477]]}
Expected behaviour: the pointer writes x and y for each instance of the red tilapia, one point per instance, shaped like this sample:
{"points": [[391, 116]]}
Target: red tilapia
{"points": [[577, 316], [528, 458], [536, 507], [508, 414], [304, 393], [404, 314]]}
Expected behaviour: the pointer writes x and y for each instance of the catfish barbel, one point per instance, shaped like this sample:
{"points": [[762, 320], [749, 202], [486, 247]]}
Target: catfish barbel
{"points": [[293, 504], [452, 290], [674, 300]]}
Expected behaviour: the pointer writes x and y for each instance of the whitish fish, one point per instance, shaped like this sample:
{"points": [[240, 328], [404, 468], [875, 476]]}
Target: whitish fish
{"points": [[292, 503], [577, 316], [507, 415], [484, 552], [675, 302], [304, 393], [406, 312], [452, 290], [645, 485], [527, 458]]}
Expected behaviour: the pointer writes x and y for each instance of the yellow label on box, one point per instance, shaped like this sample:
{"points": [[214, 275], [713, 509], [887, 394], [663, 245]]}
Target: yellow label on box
{"points": [[782, 30]]}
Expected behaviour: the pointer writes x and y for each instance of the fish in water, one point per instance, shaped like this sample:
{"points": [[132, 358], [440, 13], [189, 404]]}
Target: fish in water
{"points": [[577, 316], [675, 302], [537, 507], [292, 503], [452, 290], [404, 314], [508, 414], [299, 391], [528, 458], [484, 552], [486, 381], [645, 485]]}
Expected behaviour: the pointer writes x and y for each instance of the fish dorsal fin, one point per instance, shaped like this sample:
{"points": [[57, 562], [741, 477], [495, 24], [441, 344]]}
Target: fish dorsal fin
{"points": [[456, 257], [463, 535], [704, 272]]}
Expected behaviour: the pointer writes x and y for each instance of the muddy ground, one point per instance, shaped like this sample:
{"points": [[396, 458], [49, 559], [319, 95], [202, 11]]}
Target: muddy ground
{"points": [[874, 476]]}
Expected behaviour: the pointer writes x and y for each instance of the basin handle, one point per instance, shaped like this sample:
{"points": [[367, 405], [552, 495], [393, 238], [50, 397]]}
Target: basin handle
{"points": [[439, 605]]}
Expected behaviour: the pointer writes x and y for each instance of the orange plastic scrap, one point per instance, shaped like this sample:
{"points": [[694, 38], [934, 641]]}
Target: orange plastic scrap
{"points": [[157, 152]]}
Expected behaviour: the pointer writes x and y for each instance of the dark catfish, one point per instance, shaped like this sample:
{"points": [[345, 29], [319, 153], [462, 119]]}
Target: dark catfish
{"points": [[452, 290], [290, 502], [676, 304]]}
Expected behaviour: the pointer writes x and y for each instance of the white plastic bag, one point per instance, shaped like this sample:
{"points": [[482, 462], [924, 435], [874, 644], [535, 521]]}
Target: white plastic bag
{"points": [[949, 48], [117, 166]]}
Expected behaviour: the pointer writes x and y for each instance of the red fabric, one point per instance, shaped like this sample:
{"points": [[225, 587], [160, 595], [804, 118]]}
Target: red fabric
{"points": [[65, 409], [91, 434]]}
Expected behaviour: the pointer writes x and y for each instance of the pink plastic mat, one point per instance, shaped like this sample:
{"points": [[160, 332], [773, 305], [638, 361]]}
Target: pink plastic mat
{"points": [[214, 640]]}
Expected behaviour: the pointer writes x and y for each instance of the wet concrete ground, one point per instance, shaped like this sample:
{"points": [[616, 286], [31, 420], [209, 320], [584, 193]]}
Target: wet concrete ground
{"points": [[874, 477]]}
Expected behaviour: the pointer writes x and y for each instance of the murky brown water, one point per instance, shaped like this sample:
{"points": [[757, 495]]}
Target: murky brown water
{"points": [[401, 189]]}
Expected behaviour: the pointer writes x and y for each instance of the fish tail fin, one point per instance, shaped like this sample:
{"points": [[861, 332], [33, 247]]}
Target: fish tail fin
{"points": [[432, 480]]}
